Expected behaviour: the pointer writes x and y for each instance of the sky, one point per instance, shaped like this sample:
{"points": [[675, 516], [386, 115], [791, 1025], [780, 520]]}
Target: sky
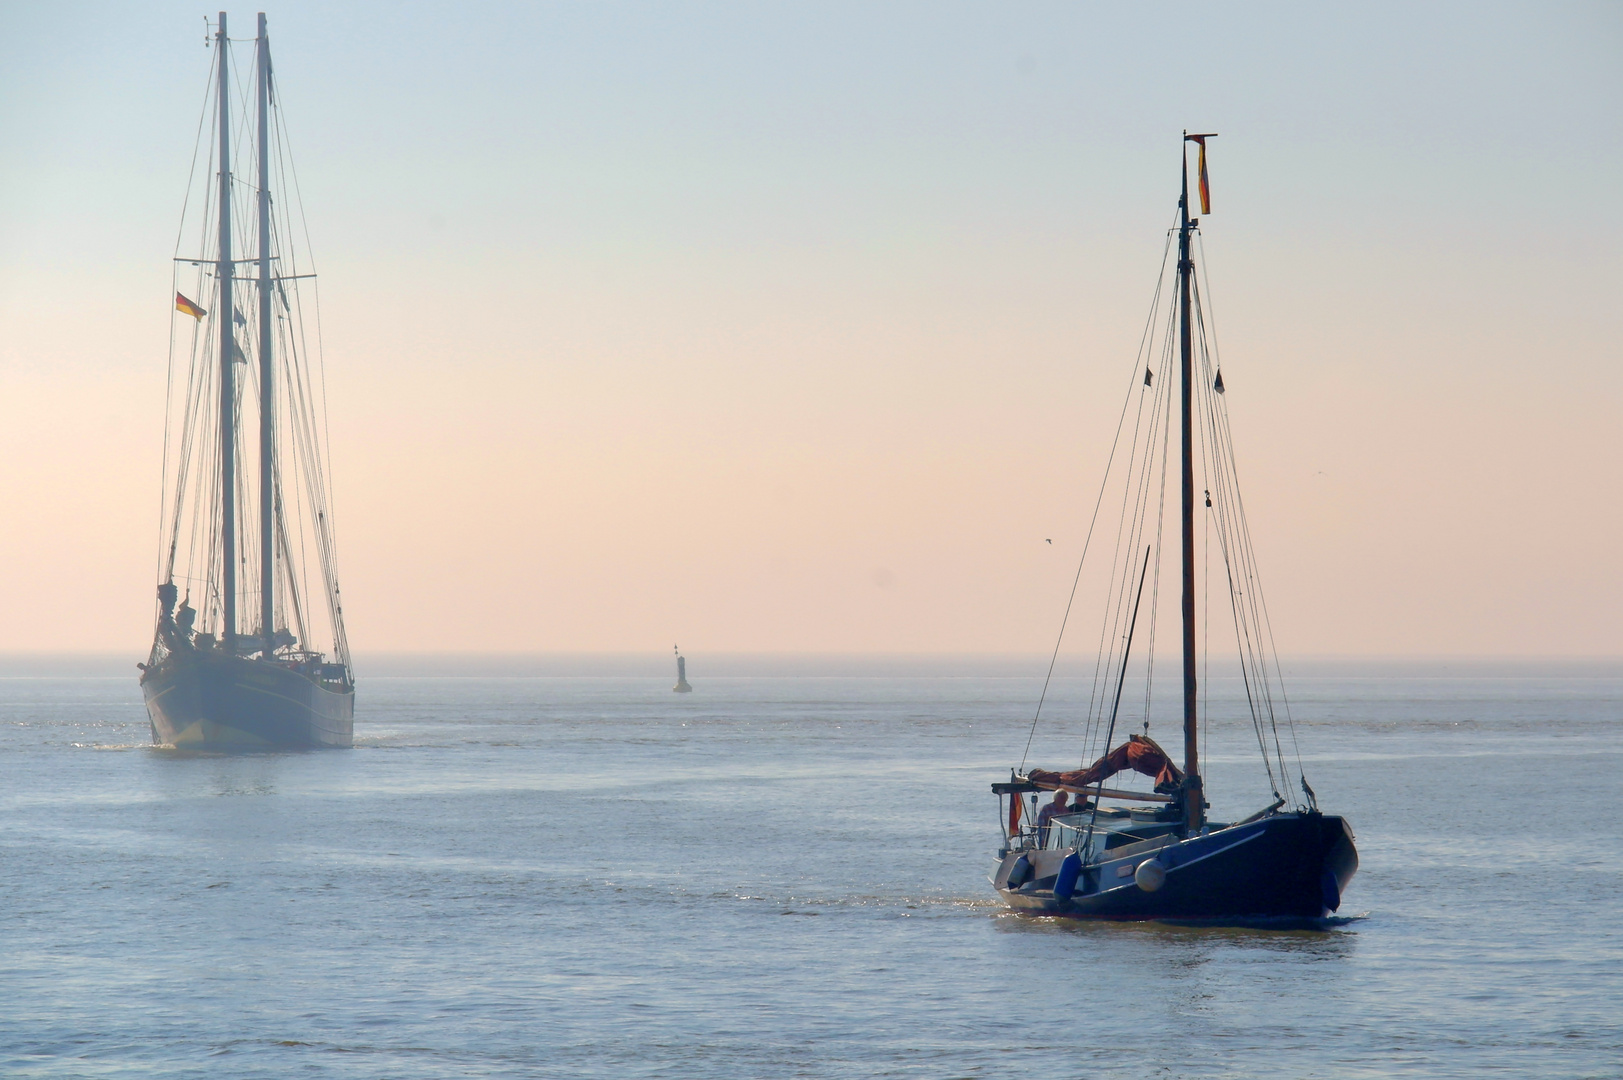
{"points": [[804, 327]]}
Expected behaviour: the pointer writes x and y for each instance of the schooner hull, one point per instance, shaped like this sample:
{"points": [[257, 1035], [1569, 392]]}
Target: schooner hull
{"points": [[226, 703], [1288, 866]]}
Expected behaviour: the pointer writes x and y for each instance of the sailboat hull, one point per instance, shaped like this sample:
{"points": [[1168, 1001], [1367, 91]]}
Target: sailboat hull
{"points": [[1286, 866], [202, 701]]}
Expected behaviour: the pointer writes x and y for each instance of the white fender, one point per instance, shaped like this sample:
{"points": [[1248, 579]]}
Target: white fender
{"points": [[1150, 875]]}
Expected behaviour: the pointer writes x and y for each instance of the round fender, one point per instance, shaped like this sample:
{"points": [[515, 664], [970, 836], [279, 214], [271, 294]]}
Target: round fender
{"points": [[1150, 875], [1019, 873], [1070, 868]]}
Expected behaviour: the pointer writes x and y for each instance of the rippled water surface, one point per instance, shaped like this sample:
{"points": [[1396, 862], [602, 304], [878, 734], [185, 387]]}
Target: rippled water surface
{"points": [[784, 875]]}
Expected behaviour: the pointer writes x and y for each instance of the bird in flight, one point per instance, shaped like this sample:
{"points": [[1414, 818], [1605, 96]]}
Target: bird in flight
{"points": [[1048, 541]]}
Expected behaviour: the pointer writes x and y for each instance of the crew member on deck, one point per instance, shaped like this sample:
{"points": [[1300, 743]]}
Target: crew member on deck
{"points": [[1049, 813]]}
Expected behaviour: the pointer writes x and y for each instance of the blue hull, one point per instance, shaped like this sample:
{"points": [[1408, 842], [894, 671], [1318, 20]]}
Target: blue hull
{"points": [[1286, 866], [211, 701]]}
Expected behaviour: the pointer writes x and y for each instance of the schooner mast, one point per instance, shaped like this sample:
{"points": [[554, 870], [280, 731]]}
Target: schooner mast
{"points": [[267, 383], [228, 353], [228, 348]]}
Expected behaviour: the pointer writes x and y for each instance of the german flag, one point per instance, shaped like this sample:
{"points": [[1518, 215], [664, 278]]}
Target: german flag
{"points": [[183, 304]]}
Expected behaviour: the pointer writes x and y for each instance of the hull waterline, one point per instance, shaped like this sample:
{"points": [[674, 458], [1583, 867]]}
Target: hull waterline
{"points": [[1286, 866], [225, 703]]}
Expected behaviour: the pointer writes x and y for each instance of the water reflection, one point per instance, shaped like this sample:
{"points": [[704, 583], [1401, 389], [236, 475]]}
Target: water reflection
{"points": [[1323, 938]]}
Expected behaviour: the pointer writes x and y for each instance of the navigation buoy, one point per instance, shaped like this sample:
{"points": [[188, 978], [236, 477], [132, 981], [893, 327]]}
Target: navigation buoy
{"points": [[682, 686], [1150, 875]]}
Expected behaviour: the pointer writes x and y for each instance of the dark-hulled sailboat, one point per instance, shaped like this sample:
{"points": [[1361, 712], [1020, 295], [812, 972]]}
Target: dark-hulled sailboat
{"points": [[1164, 859], [231, 665]]}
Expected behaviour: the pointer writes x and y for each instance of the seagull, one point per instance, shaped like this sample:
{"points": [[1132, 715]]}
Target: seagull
{"points": [[1048, 541]]}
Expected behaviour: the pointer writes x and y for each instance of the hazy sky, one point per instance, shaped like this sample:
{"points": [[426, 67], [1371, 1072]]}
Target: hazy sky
{"points": [[800, 327]]}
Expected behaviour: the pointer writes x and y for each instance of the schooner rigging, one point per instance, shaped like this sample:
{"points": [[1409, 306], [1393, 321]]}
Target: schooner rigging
{"points": [[254, 655]]}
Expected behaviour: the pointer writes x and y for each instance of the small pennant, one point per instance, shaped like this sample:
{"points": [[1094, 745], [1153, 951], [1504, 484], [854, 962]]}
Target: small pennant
{"points": [[1218, 385], [1148, 378]]}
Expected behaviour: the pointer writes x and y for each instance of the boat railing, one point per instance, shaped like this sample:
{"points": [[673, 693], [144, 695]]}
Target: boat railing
{"points": [[1054, 836]]}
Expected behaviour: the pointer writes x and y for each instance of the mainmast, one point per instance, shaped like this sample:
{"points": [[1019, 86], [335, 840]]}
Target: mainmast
{"points": [[267, 382], [1194, 800], [224, 315]]}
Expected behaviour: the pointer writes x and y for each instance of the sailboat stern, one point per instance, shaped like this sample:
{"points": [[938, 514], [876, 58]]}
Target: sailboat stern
{"points": [[1284, 866]]}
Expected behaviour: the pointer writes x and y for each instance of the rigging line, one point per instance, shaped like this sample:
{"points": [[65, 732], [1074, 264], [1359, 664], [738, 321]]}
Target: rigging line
{"points": [[306, 442], [1120, 420], [204, 115], [1209, 466], [1290, 721], [197, 384], [1121, 679], [291, 376], [1141, 356], [1245, 674], [285, 144], [1241, 636], [174, 275], [1160, 523], [1086, 543], [1258, 615], [1247, 556], [183, 452], [1120, 565], [325, 526], [1206, 611], [1164, 420]]}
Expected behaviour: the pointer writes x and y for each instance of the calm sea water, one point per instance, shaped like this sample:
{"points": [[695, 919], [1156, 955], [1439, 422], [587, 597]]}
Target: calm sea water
{"points": [[784, 875]]}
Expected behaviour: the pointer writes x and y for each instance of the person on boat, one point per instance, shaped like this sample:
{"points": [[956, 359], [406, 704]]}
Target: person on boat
{"points": [[1049, 813]]}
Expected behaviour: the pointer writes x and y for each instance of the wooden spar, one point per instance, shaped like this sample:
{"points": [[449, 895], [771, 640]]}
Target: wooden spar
{"points": [[1194, 802], [1110, 793]]}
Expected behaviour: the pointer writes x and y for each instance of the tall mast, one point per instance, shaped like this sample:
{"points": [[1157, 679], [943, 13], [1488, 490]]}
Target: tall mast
{"points": [[1194, 800], [267, 382], [228, 348]]}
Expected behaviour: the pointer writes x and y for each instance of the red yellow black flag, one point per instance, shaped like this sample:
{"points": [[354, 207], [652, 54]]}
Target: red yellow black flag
{"points": [[1205, 189], [183, 304]]}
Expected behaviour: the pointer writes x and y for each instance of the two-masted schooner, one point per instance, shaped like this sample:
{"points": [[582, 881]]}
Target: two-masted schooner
{"points": [[234, 663], [1164, 858]]}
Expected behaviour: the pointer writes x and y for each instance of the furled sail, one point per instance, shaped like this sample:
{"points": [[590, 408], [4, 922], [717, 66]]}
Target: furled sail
{"points": [[1139, 753]]}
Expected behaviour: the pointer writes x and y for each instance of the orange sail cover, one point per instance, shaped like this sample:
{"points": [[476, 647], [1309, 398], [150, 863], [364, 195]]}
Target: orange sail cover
{"points": [[1139, 753]]}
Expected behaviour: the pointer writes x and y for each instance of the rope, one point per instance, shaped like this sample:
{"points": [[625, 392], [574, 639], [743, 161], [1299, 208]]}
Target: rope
{"points": [[190, 510], [1098, 502]]}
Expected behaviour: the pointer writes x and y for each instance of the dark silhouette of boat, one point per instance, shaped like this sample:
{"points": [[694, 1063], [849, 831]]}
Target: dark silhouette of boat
{"points": [[1163, 858], [208, 684]]}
